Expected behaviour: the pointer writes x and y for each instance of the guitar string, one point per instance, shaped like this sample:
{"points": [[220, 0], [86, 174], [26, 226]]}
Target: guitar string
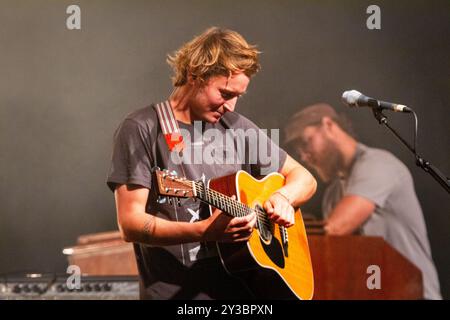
{"points": [[237, 205], [242, 209], [261, 215], [216, 196]]}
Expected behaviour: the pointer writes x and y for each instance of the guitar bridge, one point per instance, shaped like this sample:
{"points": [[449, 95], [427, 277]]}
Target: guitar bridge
{"points": [[284, 240]]}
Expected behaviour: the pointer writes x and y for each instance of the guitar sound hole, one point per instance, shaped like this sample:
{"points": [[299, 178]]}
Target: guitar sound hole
{"points": [[265, 226]]}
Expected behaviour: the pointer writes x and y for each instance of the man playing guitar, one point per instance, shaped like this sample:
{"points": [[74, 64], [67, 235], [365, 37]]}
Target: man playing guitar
{"points": [[175, 245]]}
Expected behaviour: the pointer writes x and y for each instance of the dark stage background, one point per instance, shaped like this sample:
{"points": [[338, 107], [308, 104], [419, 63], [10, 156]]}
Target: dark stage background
{"points": [[63, 92]]}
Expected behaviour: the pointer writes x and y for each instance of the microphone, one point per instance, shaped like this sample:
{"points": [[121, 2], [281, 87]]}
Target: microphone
{"points": [[354, 99]]}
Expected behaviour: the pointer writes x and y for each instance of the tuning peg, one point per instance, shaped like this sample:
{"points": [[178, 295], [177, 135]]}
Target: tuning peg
{"points": [[161, 200], [170, 201]]}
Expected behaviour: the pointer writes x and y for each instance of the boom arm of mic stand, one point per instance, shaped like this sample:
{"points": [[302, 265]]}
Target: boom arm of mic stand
{"points": [[420, 162]]}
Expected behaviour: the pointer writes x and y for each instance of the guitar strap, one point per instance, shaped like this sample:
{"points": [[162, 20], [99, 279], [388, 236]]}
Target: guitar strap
{"points": [[170, 129], [169, 126], [174, 139]]}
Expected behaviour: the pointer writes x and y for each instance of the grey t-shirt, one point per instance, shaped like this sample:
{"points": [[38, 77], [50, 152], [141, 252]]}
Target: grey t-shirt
{"points": [[139, 145], [380, 177]]}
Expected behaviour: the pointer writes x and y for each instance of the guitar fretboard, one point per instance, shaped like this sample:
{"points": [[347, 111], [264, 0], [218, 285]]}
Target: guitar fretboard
{"points": [[221, 201]]}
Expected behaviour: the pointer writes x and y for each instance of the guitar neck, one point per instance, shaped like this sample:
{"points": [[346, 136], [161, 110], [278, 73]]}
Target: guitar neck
{"points": [[220, 201]]}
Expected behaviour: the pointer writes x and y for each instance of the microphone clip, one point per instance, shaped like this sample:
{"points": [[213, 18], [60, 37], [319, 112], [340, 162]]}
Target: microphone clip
{"points": [[378, 114]]}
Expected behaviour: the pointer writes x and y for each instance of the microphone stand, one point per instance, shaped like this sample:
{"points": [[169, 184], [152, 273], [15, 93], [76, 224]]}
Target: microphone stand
{"points": [[420, 162]]}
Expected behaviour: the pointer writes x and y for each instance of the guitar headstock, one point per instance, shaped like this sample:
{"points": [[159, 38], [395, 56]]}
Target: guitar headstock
{"points": [[169, 184]]}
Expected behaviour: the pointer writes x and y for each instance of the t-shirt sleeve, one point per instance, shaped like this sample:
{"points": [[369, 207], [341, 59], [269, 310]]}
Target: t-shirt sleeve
{"points": [[374, 178], [262, 152], [131, 160]]}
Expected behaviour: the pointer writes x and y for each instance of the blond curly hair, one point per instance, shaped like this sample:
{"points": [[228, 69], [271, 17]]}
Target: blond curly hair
{"points": [[215, 52]]}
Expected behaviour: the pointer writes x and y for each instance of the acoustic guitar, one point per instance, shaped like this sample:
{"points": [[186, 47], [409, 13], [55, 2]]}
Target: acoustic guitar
{"points": [[271, 246]]}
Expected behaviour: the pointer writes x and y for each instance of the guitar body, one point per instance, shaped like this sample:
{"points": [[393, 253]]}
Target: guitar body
{"points": [[292, 264]]}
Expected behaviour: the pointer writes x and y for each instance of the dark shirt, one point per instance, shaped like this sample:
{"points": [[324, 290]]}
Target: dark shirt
{"points": [[178, 271]]}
